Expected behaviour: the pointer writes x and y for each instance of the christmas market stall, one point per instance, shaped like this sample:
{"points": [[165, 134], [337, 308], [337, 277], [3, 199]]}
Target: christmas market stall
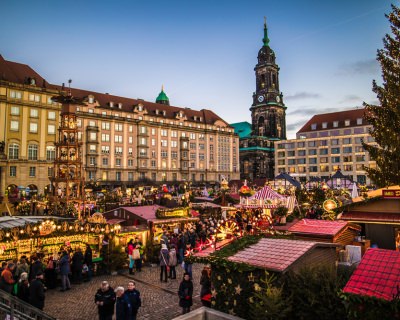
{"points": [[47, 236], [261, 263], [148, 222]]}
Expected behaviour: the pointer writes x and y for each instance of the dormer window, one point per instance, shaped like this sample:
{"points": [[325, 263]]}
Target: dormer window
{"points": [[111, 104], [140, 107], [195, 118], [157, 111], [335, 124], [359, 121], [181, 114], [200, 119], [346, 123], [164, 113], [91, 99], [120, 105], [324, 125], [314, 126]]}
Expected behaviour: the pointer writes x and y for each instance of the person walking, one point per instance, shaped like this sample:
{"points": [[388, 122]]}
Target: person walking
{"points": [[121, 304], [88, 260], [36, 291], [164, 259], [173, 261], [132, 296], [185, 293], [65, 269], [205, 291], [105, 300]]}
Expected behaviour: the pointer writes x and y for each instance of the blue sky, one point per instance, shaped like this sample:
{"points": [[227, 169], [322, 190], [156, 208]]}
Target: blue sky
{"points": [[204, 52]]}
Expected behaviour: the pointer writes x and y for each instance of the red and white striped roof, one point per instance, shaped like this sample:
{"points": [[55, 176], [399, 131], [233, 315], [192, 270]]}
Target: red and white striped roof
{"points": [[267, 193]]}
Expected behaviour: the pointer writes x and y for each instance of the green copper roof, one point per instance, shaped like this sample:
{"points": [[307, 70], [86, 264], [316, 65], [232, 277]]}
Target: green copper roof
{"points": [[265, 39], [242, 129], [162, 96]]}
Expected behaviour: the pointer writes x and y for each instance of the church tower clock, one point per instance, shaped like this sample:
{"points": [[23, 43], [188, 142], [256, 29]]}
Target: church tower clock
{"points": [[268, 110]]}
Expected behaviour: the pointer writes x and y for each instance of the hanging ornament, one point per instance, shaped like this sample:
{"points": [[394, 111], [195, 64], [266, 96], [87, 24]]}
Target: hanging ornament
{"points": [[238, 289], [257, 287], [234, 303], [219, 278], [251, 300], [230, 281]]}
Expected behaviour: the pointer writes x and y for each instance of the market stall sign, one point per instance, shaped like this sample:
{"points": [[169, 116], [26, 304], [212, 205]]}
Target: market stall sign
{"points": [[46, 228], [391, 194], [171, 213]]}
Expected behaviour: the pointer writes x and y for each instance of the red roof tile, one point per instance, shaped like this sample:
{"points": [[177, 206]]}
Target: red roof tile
{"points": [[319, 227], [273, 254], [377, 275]]}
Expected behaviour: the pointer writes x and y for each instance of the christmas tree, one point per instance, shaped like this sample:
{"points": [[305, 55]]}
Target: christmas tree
{"points": [[385, 118]]}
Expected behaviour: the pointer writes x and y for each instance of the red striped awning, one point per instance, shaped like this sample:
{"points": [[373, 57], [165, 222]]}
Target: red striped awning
{"points": [[267, 193]]}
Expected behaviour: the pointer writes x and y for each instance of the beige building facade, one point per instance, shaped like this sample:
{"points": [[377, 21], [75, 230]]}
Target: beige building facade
{"points": [[326, 143], [124, 141]]}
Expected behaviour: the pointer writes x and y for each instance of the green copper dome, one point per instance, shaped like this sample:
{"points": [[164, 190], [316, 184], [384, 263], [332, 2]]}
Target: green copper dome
{"points": [[162, 97]]}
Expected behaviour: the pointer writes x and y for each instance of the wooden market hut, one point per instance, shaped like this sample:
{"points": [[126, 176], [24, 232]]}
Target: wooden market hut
{"points": [[246, 270], [338, 232], [380, 220]]}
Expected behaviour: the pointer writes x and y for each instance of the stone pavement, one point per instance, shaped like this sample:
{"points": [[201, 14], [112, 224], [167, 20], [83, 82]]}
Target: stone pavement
{"points": [[159, 300]]}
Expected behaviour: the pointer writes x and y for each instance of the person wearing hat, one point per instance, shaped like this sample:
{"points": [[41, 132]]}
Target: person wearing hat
{"points": [[36, 291], [164, 261], [105, 300]]}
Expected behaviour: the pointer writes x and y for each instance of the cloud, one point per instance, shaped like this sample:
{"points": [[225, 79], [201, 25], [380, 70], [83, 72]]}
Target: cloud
{"points": [[351, 98], [370, 66], [303, 95]]}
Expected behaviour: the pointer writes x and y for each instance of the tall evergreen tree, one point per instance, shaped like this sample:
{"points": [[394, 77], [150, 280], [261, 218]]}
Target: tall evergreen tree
{"points": [[385, 118]]}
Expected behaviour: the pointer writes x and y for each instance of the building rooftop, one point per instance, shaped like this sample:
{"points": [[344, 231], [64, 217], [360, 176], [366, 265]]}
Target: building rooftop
{"points": [[329, 118], [377, 275]]}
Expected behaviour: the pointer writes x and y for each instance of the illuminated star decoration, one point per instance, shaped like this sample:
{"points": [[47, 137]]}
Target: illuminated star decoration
{"points": [[238, 289], [251, 277]]}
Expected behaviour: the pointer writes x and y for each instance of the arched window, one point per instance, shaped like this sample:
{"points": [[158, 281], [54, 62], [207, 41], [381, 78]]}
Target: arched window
{"points": [[50, 153], [13, 151], [32, 152]]}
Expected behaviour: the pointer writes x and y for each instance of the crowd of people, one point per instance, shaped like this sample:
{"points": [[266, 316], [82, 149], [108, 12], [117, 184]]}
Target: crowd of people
{"points": [[29, 279]]}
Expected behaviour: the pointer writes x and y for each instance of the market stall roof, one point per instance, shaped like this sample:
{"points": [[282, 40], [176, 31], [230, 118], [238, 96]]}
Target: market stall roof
{"points": [[267, 193], [371, 217], [377, 275], [275, 254], [149, 213], [288, 178], [318, 227], [20, 221], [115, 221]]}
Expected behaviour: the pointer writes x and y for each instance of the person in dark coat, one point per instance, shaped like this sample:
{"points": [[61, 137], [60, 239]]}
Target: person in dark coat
{"points": [[36, 291], [121, 304], [23, 287], [164, 261], [88, 260], [36, 267], [65, 269], [77, 265], [185, 293], [50, 274], [132, 296], [205, 291], [105, 300]]}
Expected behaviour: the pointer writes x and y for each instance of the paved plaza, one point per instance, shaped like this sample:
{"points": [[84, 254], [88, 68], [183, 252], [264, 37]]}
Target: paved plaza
{"points": [[159, 300]]}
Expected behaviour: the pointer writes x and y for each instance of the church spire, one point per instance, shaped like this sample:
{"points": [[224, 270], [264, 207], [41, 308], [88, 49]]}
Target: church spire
{"points": [[265, 39]]}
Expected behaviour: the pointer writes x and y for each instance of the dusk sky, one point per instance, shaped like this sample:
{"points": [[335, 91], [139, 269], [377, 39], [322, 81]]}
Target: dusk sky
{"points": [[204, 52]]}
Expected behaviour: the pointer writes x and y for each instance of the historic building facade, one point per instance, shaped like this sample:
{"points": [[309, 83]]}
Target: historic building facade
{"points": [[268, 117], [327, 142], [123, 141]]}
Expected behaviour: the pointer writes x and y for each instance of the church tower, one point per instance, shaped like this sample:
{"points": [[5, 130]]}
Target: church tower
{"points": [[268, 110]]}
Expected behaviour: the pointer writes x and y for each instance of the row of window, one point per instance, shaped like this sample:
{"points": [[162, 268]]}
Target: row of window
{"points": [[32, 97], [337, 159], [325, 151], [335, 124], [322, 168], [33, 127], [323, 143]]}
